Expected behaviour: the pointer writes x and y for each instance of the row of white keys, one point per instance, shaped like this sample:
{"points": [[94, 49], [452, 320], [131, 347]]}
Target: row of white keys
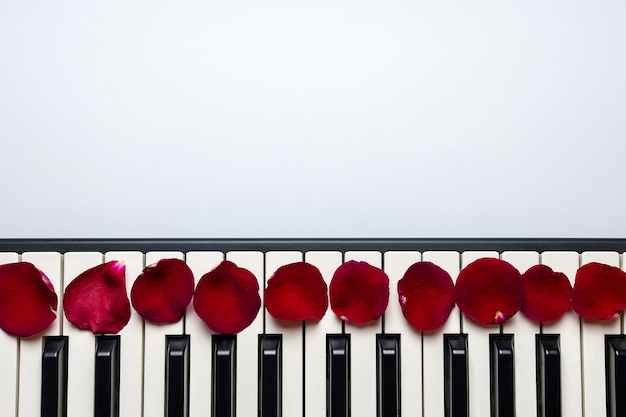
{"points": [[315, 353], [9, 357]]}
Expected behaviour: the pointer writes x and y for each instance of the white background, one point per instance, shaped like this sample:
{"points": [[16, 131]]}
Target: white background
{"points": [[421, 118]]}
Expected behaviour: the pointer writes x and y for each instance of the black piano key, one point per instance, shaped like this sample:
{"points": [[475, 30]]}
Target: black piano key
{"points": [[388, 375], [223, 379], [270, 375], [615, 359], [502, 367], [54, 376], [107, 377], [177, 376], [548, 375], [456, 391], [338, 375]]}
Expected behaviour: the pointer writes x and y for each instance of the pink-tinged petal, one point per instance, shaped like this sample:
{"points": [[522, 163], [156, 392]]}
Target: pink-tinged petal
{"points": [[359, 292], [296, 292], [426, 294], [227, 298], [27, 300], [489, 291], [599, 291], [96, 300], [163, 291], [546, 294]]}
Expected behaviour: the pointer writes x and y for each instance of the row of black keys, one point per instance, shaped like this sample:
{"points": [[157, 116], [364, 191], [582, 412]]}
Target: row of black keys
{"points": [[224, 351]]}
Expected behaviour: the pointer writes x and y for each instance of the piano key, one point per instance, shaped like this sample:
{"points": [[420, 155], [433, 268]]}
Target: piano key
{"points": [[456, 379], [107, 377], [80, 378], [548, 375], [568, 329], [131, 340], [339, 379], [388, 375], [53, 383], [30, 384], [177, 376], [224, 376], [396, 264], [155, 350], [593, 347], [9, 356], [478, 340], [270, 380], [524, 330], [502, 371], [292, 340], [363, 351], [434, 398], [315, 336], [616, 375], [248, 340], [200, 379]]}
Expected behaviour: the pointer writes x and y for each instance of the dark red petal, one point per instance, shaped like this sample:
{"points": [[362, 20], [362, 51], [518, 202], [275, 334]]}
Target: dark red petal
{"points": [[163, 291], [426, 294], [27, 299], [359, 292], [96, 300], [489, 291], [546, 293], [296, 292], [599, 291], [227, 298]]}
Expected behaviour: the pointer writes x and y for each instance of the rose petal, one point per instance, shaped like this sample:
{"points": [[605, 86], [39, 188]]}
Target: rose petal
{"points": [[27, 300], [489, 291], [599, 291], [359, 292], [163, 291], [546, 293], [426, 294], [96, 300], [296, 292], [227, 298]]}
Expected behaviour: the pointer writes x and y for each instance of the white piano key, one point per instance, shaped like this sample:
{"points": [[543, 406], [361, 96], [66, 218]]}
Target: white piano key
{"points": [[131, 340], [396, 264], [524, 331], [8, 358], [433, 342], [363, 351], [154, 350], [292, 339], [593, 347], [248, 340], [30, 348], [568, 329], [315, 336], [80, 375], [478, 351], [200, 334]]}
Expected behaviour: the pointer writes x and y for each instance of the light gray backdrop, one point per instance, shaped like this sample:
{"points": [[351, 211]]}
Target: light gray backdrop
{"points": [[270, 118]]}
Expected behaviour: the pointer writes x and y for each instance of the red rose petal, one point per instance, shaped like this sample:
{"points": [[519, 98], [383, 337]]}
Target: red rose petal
{"points": [[163, 291], [227, 298], [489, 291], [359, 292], [426, 294], [96, 300], [27, 299], [546, 293], [599, 291], [296, 292]]}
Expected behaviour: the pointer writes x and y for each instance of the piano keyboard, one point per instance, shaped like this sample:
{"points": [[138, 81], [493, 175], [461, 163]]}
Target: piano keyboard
{"points": [[572, 367]]}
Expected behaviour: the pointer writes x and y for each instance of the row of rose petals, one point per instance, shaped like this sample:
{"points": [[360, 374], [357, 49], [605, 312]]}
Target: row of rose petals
{"points": [[489, 291]]}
